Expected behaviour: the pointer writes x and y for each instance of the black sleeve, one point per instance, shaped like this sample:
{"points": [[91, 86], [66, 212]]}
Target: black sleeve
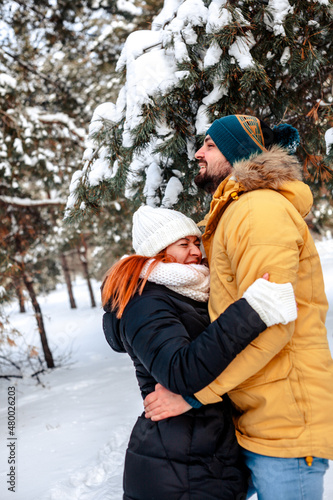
{"points": [[161, 342]]}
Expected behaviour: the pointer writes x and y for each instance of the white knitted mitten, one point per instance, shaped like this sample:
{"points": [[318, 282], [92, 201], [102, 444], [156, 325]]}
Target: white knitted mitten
{"points": [[275, 303]]}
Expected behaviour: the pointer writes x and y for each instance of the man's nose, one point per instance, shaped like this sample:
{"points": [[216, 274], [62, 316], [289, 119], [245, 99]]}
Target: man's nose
{"points": [[199, 154]]}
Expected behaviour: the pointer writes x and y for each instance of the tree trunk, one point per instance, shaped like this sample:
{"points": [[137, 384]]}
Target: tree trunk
{"points": [[19, 293], [39, 318], [82, 251], [67, 275]]}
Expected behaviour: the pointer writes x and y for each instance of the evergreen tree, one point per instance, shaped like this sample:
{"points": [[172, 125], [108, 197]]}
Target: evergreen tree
{"points": [[201, 60], [57, 60]]}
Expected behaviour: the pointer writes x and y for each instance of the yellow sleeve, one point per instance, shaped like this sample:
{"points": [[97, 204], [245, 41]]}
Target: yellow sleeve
{"points": [[261, 236]]}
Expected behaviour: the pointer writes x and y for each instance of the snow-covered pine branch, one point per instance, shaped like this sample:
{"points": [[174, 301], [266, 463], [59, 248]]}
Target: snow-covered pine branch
{"points": [[27, 202], [202, 60]]}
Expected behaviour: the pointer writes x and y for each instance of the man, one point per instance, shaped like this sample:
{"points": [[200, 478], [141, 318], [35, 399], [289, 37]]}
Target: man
{"points": [[281, 384]]}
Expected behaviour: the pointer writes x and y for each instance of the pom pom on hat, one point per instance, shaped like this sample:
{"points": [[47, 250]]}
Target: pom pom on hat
{"points": [[154, 229], [286, 136]]}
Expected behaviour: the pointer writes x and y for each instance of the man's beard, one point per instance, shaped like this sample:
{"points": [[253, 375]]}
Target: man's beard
{"points": [[209, 183]]}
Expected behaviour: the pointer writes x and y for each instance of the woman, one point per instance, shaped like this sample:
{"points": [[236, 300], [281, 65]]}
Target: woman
{"points": [[156, 303]]}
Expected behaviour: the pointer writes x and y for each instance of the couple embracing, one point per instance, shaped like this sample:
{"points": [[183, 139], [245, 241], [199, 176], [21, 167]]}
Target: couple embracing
{"points": [[232, 361]]}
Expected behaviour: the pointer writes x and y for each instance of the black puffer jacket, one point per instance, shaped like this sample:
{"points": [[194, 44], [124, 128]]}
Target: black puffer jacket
{"points": [[194, 456]]}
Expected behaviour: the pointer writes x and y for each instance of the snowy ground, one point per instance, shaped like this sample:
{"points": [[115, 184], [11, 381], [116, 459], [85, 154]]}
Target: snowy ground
{"points": [[72, 434]]}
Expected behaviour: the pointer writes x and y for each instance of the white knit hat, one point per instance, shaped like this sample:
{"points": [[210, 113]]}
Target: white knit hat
{"points": [[156, 228]]}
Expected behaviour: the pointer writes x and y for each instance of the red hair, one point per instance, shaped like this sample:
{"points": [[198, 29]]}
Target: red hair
{"points": [[123, 280]]}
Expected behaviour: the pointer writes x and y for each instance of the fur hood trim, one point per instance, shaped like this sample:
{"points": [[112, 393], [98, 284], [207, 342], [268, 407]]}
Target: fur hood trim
{"points": [[267, 170]]}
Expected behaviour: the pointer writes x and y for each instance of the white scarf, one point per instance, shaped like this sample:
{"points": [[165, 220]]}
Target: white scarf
{"points": [[191, 280]]}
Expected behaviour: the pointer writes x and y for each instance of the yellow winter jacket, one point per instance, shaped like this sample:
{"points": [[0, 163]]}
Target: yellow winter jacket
{"points": [[282, 384]]}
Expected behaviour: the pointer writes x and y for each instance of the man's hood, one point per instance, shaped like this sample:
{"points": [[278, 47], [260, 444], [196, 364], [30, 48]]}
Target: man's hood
{"points": [[275, 169], [268, 170]]}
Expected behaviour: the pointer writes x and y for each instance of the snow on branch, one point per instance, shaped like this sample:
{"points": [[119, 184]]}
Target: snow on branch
{"points": [[63, 119], [279, 9], [27, 202], [177, 79]]}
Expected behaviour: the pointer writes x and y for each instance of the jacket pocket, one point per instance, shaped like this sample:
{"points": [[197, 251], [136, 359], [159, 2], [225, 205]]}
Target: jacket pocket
{"points": [[220, 270], [266, 403]]}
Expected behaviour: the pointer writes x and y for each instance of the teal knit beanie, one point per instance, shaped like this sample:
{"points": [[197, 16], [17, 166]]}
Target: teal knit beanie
{"points": [[240, 136]]}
